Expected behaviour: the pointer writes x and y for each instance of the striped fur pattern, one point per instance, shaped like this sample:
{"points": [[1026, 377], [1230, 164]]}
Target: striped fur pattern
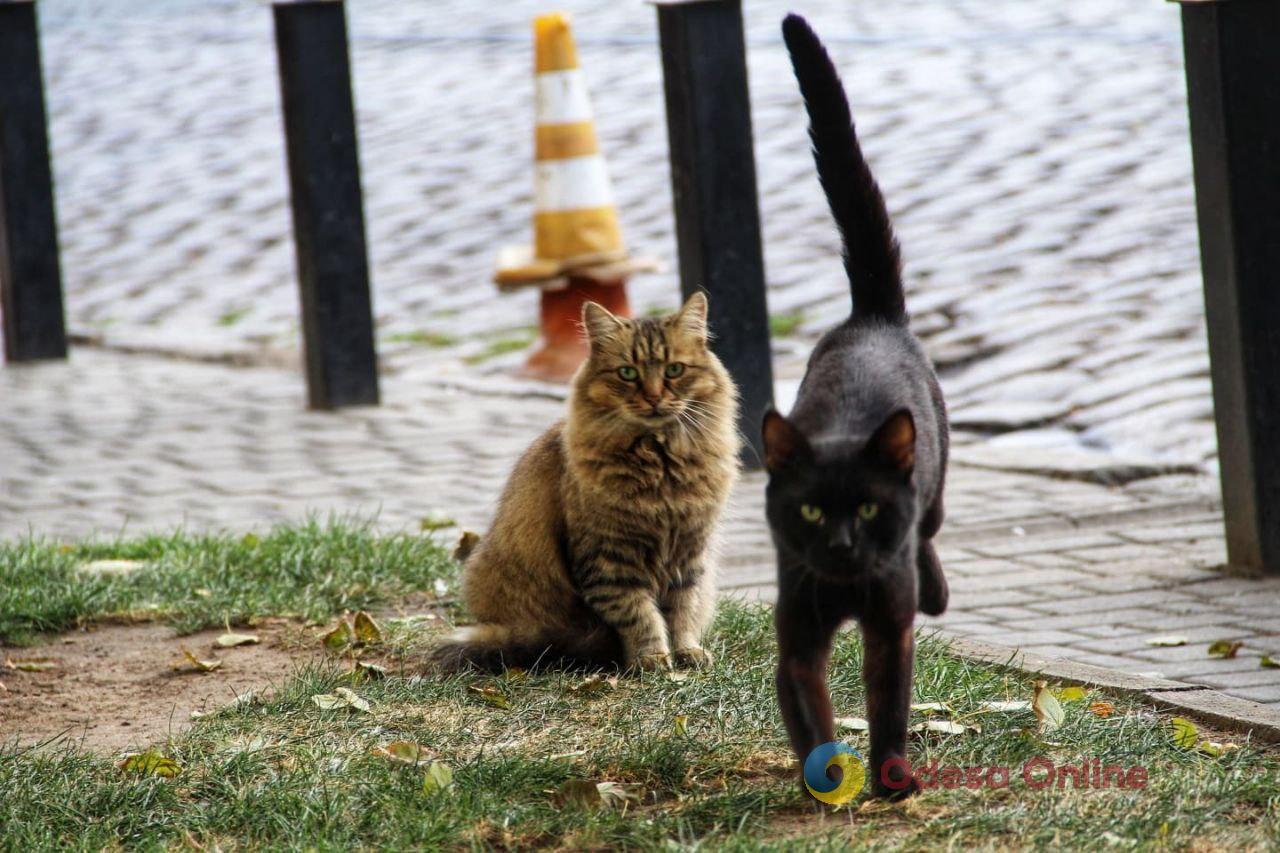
{"points": [[602, 549]]}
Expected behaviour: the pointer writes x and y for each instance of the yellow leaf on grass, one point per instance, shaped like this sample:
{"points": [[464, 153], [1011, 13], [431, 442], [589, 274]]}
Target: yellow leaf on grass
{"points": [[1047, 708], [1224, 648], [943, 727], [585, 794], [1102, 709], [491, 695], [595, 684], [352, 699], [339, 638], [1209, 747], [195, 663], [438, 777], [1010, 706], [404, 752], [150, 763], [111, 568], [681, 725], [1071, 694], [367, 630], [1185, 733], [369, 670], [341, 698], [1268, 662], [1168, 640]]}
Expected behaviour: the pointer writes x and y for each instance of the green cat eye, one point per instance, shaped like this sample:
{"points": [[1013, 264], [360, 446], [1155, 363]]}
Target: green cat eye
{"points": [[868, 511], [810, 513], [674, 369], [628, 372]]}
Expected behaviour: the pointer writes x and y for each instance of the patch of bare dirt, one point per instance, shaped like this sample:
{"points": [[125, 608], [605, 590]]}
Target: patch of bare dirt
{"points": [[114, 687]]}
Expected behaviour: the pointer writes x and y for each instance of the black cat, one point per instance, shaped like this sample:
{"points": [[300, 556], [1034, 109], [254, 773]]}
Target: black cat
{"points": [[856, 471]]}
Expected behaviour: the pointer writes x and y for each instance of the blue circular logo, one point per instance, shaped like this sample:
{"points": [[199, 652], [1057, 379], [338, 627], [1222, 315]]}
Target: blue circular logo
{"points": [[853, 773]]}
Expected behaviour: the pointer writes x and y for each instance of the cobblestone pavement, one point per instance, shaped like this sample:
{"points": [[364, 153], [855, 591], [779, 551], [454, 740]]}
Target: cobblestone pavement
{"points": [[1065, 567], [1035, 155]]}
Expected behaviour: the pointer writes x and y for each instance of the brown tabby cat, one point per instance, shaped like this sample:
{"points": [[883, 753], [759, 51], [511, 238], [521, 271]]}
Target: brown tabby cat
{"points": [[600, 553]]}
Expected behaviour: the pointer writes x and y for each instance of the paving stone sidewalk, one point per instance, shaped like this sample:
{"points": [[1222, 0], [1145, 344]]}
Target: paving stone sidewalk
{"points": [[1058, 565], [1035, 156]]}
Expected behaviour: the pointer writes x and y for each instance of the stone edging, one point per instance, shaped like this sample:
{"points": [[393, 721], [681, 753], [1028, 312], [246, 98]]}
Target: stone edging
{"points": [[1226, 712]]}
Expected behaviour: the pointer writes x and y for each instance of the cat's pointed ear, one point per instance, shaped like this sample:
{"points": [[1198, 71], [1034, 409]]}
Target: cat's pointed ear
{"points": [[895, 442], [692, 317], [599, 324], [784, 444]]}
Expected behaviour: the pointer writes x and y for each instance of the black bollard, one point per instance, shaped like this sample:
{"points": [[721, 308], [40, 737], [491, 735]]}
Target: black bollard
{"points": [[713, 178], [328, 215], [30, 274], [1233, 67]]}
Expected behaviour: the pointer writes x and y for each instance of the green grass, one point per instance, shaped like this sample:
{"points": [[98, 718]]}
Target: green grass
{"points": [[502, 346], [284, 774], [310, 570], [235, 315], [421, 337], [782, 325]]}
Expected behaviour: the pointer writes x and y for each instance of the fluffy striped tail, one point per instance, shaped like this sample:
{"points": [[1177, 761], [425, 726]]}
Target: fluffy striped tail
{"points": [[494, 648], [871, 256]]}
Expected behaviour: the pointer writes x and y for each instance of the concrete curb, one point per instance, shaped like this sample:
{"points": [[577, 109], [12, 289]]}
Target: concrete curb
{"points": [[1226, 712]]}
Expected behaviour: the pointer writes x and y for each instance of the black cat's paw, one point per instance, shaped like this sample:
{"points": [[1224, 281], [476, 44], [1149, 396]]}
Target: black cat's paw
{"points": [[901, 790]]}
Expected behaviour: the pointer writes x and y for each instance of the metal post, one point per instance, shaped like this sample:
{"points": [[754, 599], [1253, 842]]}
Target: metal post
{"points": [[30, 275], [328, 216], [1233, 87], [713, 178]]}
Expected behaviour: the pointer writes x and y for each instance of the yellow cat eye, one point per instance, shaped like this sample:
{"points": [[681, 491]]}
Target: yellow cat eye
{"points": [[628, 372], [674, 369], [810, 513], [868, 511]]}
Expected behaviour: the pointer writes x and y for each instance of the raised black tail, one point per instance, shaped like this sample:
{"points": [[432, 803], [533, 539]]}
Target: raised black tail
{"points": [[871, 256]]}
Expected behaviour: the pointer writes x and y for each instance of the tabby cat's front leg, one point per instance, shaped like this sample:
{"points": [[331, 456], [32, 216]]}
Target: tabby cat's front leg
{"points": [[623, 596], [689, 604]]}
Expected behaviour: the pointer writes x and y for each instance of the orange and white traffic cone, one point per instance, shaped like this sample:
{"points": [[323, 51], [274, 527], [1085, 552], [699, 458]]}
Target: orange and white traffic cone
{"points": [[578, 253]]}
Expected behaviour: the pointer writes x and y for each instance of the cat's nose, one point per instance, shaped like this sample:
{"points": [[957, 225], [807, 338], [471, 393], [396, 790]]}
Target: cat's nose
{"points": [[840, 539]]}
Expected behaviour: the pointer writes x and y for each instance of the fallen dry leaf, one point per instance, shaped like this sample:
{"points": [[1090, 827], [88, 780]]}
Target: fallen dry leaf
{"points": [[681, 725], [366, 630], [352, 699], [1209, 747], [230, 640], [190, 660], [1005, 707], [595, 684], [438, 777], [1185, 733], [149, 763], [30, 664], [404, 752], [111, 568], [1047, 709], [491, 695], [1101, 709], [944, 727], [1267, 662], [852, 724], [1224, 648], [933, 708], [339, 638]]}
